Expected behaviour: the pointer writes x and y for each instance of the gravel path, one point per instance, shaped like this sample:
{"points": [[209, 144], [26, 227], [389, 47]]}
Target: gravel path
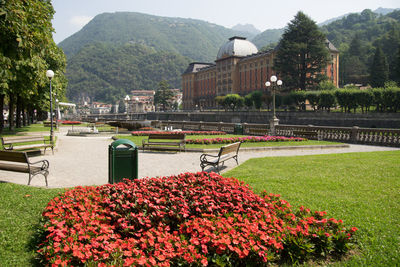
{"points": [[84, 161]]}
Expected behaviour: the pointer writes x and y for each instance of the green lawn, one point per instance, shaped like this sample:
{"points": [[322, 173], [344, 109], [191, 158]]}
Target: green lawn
{"points": [[31, 128], [363, 189], [20, 211], [360, 188], [138, 141]]}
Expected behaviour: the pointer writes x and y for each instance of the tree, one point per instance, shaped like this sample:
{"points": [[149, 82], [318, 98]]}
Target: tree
{"points": [[164, 95], [233, 101], [396, 75], [302, 53], [256, 96], [379, 72], [220, 100], [326, 85], [27, 50], [248, 101]]}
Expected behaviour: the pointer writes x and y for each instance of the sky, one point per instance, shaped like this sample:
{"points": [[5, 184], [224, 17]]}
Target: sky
{"points": [[72, 15]]}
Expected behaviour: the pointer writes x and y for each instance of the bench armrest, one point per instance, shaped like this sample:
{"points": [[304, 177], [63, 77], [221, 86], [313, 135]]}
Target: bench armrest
{"points": [[203, 157], [45, 164]]}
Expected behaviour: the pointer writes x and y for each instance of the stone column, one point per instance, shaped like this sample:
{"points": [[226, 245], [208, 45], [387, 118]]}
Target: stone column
{"points": [[272, 123]]}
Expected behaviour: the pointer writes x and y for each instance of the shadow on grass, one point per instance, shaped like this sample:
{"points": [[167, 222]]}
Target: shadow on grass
{"points": [[37, 238]]}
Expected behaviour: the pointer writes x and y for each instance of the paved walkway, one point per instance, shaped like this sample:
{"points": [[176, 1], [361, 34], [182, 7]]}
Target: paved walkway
{"points": [[84, 161]]}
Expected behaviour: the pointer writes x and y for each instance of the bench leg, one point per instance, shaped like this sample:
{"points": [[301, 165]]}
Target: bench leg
{"points": [[30, 178], [45, 177]]}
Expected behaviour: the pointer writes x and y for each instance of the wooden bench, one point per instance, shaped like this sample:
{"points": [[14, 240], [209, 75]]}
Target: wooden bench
{"points": [[165, 141], [48, 124], [307, 134], [226, 152], [11, 143], [258, 131], [20, 163]]}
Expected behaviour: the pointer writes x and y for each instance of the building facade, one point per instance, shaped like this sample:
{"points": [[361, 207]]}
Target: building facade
{"points": [[238, 69]]}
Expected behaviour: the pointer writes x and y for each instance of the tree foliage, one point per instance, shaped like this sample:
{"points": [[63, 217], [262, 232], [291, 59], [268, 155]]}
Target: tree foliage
{"points": [[27, 50], [302, 53], [379, 73], [164, 95]]}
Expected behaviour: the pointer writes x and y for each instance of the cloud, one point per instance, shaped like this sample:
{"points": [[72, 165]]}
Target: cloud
{"points": [[80, 21]]}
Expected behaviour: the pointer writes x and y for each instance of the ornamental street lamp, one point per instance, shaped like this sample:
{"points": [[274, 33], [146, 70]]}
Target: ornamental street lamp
{"points": [[273, 84], [127, 98], [50, 75]]}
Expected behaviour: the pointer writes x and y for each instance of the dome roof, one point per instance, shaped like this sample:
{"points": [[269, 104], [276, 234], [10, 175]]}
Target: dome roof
{"points": [[237, 46]]}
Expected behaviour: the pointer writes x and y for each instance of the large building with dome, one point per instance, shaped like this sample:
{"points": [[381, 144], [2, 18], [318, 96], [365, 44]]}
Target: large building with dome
{"points": [[238, 69]]}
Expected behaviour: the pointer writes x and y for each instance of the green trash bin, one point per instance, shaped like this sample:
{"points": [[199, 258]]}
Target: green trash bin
{"points": [[122, 161], [238, 128]]}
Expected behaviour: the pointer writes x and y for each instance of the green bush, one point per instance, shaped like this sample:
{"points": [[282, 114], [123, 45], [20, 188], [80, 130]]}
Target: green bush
{"points": [[313, 98], [365, 99], [327, 100]]}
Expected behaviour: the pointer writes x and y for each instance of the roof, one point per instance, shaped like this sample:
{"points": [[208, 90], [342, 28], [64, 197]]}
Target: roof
{"points": [[196, 66], [237, 46], [330, 46]]}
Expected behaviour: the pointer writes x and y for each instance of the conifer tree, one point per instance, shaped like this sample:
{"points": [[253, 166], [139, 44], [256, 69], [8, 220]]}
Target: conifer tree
{"points": [[379, 72], [302, 53], [397, 68]]}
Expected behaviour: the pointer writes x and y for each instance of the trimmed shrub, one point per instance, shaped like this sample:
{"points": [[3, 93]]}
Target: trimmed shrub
{"points": [[327, 100]]}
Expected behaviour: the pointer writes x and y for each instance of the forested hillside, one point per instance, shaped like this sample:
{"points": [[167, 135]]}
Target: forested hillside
{"points": [[357, 36], [267, 37], [107, 72], [196, 39]]}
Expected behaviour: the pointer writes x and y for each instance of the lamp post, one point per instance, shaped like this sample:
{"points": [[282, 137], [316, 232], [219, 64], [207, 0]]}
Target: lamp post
{"points": [[127, 98], [274, 82], [50, 75]]}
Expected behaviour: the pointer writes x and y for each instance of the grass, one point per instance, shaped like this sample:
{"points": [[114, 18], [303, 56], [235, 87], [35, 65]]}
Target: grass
{"points": [[138, 141], [363, 189], [24, 129], [20, 211], [360, 188]]}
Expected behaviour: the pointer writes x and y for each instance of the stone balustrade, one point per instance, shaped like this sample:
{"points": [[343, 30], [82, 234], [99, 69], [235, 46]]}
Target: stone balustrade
{"points": [[355, 135]]}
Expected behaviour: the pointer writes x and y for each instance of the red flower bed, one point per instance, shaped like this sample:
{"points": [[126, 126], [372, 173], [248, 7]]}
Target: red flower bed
{"points": [[189, 219], [70, 122], [229, 140], [140, 133]]}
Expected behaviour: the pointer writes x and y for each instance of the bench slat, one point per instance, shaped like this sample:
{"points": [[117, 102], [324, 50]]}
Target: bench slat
{"points": [[157, 144], [167, 136], [18, 168], [13, 156], [21, 139], [31, 146]]}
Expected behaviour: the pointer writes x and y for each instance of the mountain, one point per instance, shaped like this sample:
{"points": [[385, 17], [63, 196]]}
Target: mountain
{"points": [[385, 11], [247, 28], [268, 37], [196, 39], [106, 72]]}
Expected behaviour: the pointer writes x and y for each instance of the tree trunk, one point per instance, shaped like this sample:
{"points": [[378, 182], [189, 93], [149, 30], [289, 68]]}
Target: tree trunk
{"points": [[19, 113], [24, 116], [1, 114], [11, 113]]}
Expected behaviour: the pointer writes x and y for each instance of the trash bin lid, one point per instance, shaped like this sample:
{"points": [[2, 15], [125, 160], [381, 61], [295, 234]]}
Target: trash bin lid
{"points": [[125, 142]]}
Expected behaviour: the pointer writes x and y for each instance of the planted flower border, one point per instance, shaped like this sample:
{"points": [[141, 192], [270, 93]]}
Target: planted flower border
{"points": [[189, 219], [248, 139], [65, 122], [145, 133]]}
